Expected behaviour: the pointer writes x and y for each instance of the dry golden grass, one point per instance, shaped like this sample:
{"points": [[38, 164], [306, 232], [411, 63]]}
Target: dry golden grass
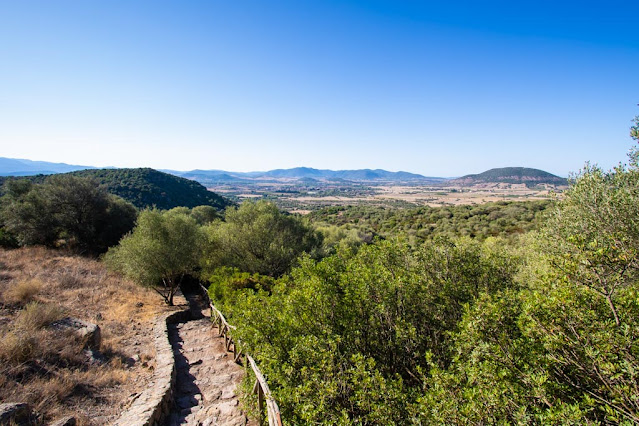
{"points": [[23, 291], [49, 368], [24, 339], [16, 347], [36, 315]]}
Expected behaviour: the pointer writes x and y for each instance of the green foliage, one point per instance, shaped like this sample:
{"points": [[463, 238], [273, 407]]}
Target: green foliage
{"points": [[505, 219], [564, 348], [593, 235], [161, 250], [7, 239], [147, 188], [65, 210], [334, 237], [346, 339], [26, 214], [258, 238], [226, 283], [634, 129], [203, 215]]}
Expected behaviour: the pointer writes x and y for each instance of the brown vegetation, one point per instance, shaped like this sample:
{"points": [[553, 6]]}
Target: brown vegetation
{"points": [[48, 367]]}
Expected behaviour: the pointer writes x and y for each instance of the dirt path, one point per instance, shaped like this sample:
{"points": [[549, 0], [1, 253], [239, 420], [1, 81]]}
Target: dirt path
{"points": [[207, 376]]}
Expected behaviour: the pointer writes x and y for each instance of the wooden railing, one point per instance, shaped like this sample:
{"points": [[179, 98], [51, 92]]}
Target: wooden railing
{"points": [[261, 387]]}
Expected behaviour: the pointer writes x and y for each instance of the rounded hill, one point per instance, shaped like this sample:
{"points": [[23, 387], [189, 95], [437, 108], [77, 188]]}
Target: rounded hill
{"points": [[145, 187], [524, 175]]}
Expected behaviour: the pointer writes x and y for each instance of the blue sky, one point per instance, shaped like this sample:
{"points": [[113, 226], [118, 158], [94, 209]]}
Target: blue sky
{"points": [[437, 88]]}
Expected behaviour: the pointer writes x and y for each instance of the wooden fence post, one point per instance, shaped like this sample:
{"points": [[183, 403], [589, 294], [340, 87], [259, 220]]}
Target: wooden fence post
{"points": [[264, 396]]}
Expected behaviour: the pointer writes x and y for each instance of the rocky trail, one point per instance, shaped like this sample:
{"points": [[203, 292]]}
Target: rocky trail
{"points": [[207, 376]]}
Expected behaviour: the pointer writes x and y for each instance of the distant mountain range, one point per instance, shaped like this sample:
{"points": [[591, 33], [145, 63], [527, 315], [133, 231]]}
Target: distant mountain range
{"points": [[305, 173], [19, 167], [16, 167]]}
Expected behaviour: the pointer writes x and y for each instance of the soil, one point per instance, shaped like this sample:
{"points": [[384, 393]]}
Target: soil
{"points": [[61, 379]]}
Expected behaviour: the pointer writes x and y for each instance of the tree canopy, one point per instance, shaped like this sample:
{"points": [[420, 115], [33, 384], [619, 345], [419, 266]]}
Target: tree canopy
{"points": [[163, 248], [65, 210], [418, 224], [258, 238]]}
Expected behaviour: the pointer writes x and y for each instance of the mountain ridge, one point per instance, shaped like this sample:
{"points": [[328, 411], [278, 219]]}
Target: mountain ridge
{"points": [[19, 167], [24, 167], [309, 172]]}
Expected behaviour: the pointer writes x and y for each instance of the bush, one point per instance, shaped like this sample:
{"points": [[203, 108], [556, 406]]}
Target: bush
{"points": [[65, 210], [346, 340], [258, 238], [225, 283]]}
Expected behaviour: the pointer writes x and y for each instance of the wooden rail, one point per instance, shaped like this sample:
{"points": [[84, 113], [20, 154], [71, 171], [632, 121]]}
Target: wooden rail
{"points": [[261, 387]]}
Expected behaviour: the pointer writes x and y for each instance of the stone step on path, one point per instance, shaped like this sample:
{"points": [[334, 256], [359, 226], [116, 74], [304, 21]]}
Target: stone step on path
{"points": [[207, 376]]}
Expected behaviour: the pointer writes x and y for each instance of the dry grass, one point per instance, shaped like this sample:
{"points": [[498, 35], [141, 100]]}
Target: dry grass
{"points": [[18, 347], [47, 367], [23, 291], [25, 338], [36, 315]]}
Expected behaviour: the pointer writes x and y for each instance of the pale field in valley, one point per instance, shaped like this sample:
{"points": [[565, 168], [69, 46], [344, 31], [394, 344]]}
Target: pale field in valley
{"points": [[435, 196]]}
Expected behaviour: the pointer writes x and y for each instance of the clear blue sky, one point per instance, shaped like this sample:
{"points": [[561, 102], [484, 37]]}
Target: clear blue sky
{"points": [[438, 88]]}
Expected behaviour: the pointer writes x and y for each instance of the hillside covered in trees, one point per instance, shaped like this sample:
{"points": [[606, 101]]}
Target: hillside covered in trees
{"points": [[144, 187], [511, 175], [537, 328]]}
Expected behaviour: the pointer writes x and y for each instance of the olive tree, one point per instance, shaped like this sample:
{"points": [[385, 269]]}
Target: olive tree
{"points": [[163, 248], [65, 210], [258, 238]]}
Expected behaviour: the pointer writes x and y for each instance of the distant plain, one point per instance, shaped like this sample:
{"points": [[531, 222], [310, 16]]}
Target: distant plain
{"points": [[302, 197]]}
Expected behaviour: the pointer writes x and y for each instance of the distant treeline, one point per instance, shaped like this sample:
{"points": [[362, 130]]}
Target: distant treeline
{"points": [[502, 218]]}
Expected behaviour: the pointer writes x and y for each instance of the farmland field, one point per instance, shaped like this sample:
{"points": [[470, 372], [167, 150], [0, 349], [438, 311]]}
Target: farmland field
{"points": [[303, 197]]}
